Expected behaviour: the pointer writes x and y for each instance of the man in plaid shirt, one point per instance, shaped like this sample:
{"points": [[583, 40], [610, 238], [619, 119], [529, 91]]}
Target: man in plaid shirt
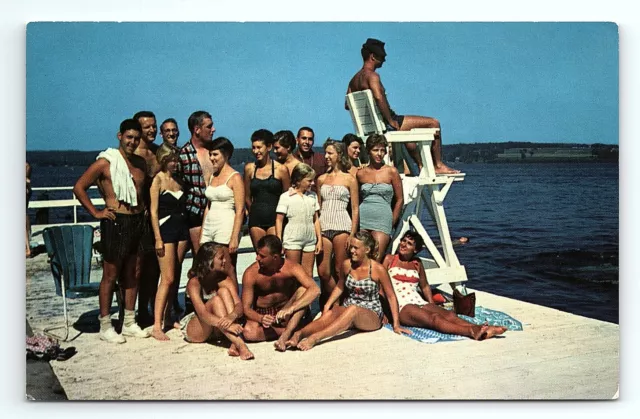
{"points": [[195, 168]]}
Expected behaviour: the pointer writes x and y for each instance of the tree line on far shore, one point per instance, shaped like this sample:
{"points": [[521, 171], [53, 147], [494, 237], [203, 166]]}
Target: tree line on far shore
{"points": [[466, 153]]}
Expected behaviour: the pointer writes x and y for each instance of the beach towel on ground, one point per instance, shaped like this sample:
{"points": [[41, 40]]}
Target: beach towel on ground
{"points": [[493, 317], [121, 177]]}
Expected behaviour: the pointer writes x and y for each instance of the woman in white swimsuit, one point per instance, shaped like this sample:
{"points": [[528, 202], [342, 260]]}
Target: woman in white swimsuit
{"points": [[407, 277], [224, 214]]}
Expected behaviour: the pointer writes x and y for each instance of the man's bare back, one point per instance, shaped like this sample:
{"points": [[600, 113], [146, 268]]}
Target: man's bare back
{"points": [[360, 80]]}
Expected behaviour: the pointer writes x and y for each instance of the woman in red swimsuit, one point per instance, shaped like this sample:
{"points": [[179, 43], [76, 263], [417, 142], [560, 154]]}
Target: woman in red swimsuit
{"points": [[407, 277]]}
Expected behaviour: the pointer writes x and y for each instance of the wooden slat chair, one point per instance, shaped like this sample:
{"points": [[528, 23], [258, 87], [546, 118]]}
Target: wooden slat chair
{"points": [[431, 188]]}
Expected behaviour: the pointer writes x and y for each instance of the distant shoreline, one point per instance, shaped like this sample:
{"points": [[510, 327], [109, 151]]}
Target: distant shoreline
{"points": [[505, 152]]}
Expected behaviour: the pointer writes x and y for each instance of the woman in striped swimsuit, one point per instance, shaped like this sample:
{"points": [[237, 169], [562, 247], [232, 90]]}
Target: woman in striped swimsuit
{"points": [[407, 276], [363, 278], [337, 189]]}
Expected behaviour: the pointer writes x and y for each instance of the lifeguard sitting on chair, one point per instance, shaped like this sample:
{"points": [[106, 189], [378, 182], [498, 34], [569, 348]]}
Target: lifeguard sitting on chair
{"points": [[373, 54]]}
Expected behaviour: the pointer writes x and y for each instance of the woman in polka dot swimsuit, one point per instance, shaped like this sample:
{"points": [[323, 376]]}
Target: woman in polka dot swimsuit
{"points": [[408, 277]]}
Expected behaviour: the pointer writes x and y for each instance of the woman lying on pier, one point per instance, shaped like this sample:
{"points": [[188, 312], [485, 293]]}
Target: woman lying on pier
{"points": [[363, 278], [407, 276], [213, 288]]}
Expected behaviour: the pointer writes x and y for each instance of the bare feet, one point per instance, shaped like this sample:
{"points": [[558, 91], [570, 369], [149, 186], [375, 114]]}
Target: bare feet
{"points": [[486, 332], [176, 325], [307, 344], [233, 350], [478, 332], [245, 353], [443, 169], [494, 331], [158, 334], [293, 341], [281, 345]]}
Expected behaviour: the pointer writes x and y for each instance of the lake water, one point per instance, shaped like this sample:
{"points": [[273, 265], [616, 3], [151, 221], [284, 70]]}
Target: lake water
{"points": [[542, 233]]}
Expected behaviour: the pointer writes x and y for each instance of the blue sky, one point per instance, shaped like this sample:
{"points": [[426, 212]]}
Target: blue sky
{"points": [[542, 82]]}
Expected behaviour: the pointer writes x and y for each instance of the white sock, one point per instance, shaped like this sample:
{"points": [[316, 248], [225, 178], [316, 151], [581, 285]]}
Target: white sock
{"points": [[129, 317], [105, 323]]}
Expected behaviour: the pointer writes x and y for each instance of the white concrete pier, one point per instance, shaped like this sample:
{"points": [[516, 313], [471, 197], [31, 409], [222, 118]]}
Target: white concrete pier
{"points": [[557, 356]]}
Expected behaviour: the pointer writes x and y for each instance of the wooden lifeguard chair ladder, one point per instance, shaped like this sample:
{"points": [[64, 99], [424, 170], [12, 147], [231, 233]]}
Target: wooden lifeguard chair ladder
{"points": [[427, 189]]}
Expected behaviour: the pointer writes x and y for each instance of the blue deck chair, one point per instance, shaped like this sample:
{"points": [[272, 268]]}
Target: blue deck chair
{"points": [[70, 249]]}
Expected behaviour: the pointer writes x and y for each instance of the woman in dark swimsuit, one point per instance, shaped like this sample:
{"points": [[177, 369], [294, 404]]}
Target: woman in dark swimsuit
{"points": [[363, 278], [169, 224], [264, 182]]}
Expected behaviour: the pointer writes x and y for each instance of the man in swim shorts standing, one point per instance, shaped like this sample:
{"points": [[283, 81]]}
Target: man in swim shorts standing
{"points": [[120, 177], [373, 55], [275, 294], [148, 269]]}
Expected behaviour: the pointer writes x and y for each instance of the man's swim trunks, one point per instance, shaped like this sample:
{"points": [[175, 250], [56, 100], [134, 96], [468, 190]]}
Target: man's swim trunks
{"points": [[271, 311], [121, 237], [399, 119]]}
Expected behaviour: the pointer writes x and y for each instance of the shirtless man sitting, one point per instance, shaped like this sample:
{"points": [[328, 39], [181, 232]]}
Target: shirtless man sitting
{"points": [[120, 177], [373, 55], [275, 294]]}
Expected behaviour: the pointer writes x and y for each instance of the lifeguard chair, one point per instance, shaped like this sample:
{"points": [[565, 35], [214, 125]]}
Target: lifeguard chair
{"points": [[423, 189]]}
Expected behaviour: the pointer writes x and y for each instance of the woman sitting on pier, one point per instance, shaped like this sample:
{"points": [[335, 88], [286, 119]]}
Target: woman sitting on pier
{"points": [[363, 278], [380, 191], [407, 276], [213, 288], [171, 232]]}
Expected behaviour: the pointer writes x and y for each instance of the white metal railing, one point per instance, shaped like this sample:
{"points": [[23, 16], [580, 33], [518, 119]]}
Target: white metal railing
{"points": [[58, 203]]}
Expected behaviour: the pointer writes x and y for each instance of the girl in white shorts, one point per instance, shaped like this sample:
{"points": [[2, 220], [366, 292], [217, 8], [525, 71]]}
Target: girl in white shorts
{"points": [[301, 240]]}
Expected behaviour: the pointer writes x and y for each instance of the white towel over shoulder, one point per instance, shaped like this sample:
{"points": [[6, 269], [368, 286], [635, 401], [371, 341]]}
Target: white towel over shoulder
{"points": [[121, 177]]}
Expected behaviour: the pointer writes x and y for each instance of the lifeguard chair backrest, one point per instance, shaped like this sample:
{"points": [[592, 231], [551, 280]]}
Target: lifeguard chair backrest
{"points": [[365, 115]]}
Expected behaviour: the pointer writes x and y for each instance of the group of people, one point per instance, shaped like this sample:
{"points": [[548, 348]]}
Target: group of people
{"points": [[302, 207], [335, 212]]}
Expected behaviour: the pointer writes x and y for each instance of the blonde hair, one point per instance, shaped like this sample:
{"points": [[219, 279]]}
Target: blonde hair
{"points": [[165, 154], [301, 171], [367, 239], [344, 162]]}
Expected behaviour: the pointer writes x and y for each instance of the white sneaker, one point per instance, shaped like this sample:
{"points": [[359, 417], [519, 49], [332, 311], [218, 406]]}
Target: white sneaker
{"points": [[134, 331], [111, 336]]}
